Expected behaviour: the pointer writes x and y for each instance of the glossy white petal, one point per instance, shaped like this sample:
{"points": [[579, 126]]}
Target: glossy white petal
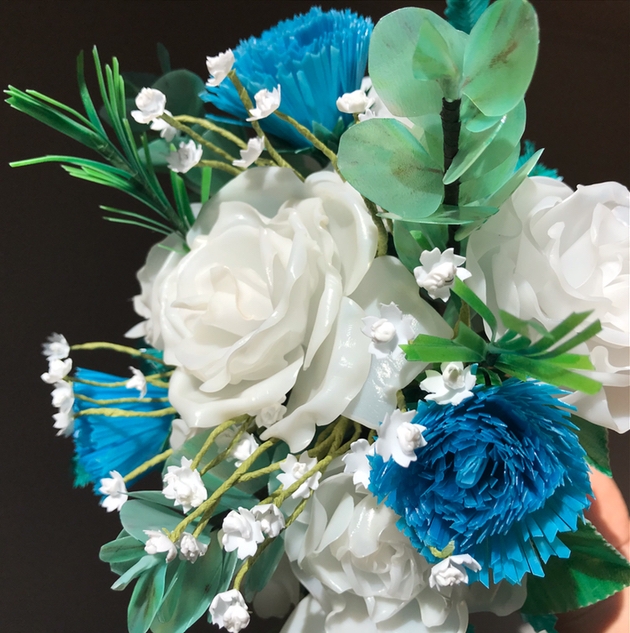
{"points": [[255, 147], [219, 66], [267, 102]]}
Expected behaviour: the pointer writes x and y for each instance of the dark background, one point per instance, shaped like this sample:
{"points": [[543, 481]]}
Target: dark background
{"points": [[64, 269]]}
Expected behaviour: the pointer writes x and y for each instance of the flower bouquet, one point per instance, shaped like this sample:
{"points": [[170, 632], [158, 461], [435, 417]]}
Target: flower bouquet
{"points": [[380, 344]]}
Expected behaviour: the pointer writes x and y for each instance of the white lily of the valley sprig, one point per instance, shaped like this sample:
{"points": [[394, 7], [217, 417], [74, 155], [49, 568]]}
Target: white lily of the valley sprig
{"points": [[229, 611], [438, 271], [388, 332], [219, 67], [270, 415], [244, 448], [137, 381], [116, 491], [63, 396], [64, 423], [56, 347], [267, 102], [356, 102], [451, 573], [151, 105], [293, 470], [190, 548], [398, 438], [158, 542], [270, 518], [251, 154], [452, 386], [166, 130], [357, 464], [185, 158], [57, 370], [241, 532], [184, 486]]}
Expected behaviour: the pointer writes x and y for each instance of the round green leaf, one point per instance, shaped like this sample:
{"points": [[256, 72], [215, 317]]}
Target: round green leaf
{"points": [[182, 89]]}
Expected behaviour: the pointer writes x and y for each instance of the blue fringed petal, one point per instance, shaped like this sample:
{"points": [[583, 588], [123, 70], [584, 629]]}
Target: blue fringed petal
{"points": [[104, 443], [502, 475], [316, 57]]}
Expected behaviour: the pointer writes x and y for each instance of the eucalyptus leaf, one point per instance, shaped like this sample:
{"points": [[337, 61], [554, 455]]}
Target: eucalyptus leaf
{"points": [[407, 248], [474, 190], [137, 516], [594, 440], [513, 183], [123, 549], [462, 215], [146, 599], [182, 89], [263, 568], [143, 565]]}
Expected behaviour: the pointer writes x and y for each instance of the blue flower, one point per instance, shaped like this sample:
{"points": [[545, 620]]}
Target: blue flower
{"points": [[316, 57], [501, 476], [104, 443]]}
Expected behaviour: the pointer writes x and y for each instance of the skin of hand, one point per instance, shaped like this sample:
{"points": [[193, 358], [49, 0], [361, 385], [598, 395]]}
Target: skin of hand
{"points": [[610, 516]]}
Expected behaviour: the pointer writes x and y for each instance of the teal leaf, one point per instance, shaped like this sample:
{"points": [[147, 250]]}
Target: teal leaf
{"points": [[407, 248], [594, 440], [501, 56], [123, 549], [263, 568], [137, 516], [474, 190], [463, 14], [459, 215], [513, 183], [143, 565], [383, 160], [593, 572], [182, 89], [469, 297], [146, 599]]}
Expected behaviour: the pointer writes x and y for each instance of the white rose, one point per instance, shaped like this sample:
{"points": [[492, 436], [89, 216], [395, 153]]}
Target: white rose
{"points": [[270, 299], [551, 251]]}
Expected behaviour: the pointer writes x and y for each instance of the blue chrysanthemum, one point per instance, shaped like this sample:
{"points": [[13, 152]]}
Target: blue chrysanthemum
{"points": [[104, 443], [316, 57], [501, 476]]}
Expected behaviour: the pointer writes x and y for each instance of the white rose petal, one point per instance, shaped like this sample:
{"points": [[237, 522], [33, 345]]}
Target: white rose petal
{"points": [[268, 416], [270, 518], [64, 423], [398, 439], [57, 370], [251, 154], [241, 532], [151, 105], [357, 464], [158, 543], [266, 103], [229, 611], [452, 386], [184, 486], [63, 396], [438, 271], [294, 470], [137, 381], [116, 491], [185, 158], [56, 347], [354, 102], [219, 67], [190, 548]]}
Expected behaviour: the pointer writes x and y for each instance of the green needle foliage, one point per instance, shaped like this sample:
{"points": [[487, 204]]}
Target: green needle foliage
{"points": [[124, 168]]}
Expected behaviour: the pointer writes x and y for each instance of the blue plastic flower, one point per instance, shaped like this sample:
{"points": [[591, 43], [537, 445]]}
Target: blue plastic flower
{"points": [[104, 443], [316, 57], [501, 476]]}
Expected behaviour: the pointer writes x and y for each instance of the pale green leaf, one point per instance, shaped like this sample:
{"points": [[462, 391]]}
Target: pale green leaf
{"points": [[146, 599], [594, 440]]}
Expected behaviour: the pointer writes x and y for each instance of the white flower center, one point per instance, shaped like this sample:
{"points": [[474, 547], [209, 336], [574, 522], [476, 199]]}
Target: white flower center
{"points": [[453, 376], [383, 331], [409, 436], [442, 275], [299, 470]]}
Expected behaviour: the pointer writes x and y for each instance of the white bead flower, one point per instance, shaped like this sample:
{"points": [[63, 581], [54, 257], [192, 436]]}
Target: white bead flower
{"points": [[438, 271], [190, 548], [293, 470], [267, 102], [251, 154], [158, 542], [398, 438], [356, 463], [57, 370], [184, 486], [228, 610], [355, 102], [185, 158], [452, 386], [166, 130], [244, 448], [64, 423], [451, 572], [270, 518], [388, 332], [242, 532], [56, 347], [137, 381], [219, 67], [116, 491], [63, 396], [268, 416], [150, 104]]}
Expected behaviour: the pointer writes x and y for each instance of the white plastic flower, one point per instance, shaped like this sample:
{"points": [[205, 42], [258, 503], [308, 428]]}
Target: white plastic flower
{"points": [[56, 347], [267, 102], [190, 548], [63, 396], [268, 416], [57, 370], [184, 486], [64, 423], [158, 542], [219, 67], [270, 518], [241, 532], [388, 332], [451, 572], [355, 102], [185, 158], [229, 611], [398, 438], [293, 470], [166, 130], [251, 154], [438, 271], [367, 115], [137, 381], [115, 490], [150, 104], [452, 386], [244, 448], [357, 464]]}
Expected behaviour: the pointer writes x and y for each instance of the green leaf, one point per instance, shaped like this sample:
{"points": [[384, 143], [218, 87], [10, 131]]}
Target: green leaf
{"points": [[501, 56], [407, 247], [263, 569], [143, 565], [513, 183], [182, 89], [164, 58], [123, 549], [593, 572], [594, 440], [88, 104], [146, 599], [459, 215], [472, 340], [467, 295], [540, 623], [463, 14], [182, 202], [137, 516], [433, 349], [581, 337], [559, 332], [206, 183]]}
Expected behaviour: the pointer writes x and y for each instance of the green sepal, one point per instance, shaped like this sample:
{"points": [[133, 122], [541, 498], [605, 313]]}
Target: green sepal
{"points": [[594, 571], [594, 440], [146, 599]]}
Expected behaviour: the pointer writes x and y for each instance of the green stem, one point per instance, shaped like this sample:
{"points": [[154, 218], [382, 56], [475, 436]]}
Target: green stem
{"points": [[217, 164], [210, 440], [123, 349], [224, 454], [125, 413], [383, 238], [451, 125], [158, 459], [118, 400], [261, 471]]}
